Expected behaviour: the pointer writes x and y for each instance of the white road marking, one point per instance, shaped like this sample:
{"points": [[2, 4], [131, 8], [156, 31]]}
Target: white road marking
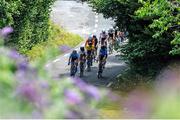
{"points": [[96, 25], [96, 16], [56, 60], [96, 20]]}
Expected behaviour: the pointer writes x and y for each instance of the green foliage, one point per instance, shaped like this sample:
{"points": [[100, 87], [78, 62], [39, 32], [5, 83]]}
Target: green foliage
{"points": [[28, 91], [166, 17], [152, 27], [29, 18], [130, 80], [58, 37]]}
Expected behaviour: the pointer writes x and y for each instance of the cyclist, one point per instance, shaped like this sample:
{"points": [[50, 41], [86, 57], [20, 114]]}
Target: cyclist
{"points": [[96, 45], [103, 38], [89, 45], [82, 60], [103, 54], [111, 40], [111, 34], [116, 32], [102, 60], [73, 61]]}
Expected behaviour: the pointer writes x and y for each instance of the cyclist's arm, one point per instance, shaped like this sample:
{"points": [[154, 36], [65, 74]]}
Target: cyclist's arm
{"points": [[86, 43], [69, 59]]}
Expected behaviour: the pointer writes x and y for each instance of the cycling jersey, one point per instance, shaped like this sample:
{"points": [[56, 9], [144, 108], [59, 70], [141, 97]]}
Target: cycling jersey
{"points": [[89, 48], [103, 52], [74, 57], [90, 44], [82, 56], [111, 35], [103, 36]]}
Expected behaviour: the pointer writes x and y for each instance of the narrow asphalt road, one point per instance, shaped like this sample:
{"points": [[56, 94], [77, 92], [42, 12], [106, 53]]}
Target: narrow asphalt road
{"points": [[79, 18]]}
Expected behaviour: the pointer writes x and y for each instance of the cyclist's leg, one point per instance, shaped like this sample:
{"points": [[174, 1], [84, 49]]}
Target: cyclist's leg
{"points": [[76, 66], [88, 59], [72, 68]]}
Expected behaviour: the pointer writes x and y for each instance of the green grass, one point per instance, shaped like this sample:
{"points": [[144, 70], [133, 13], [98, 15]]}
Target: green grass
{"points": [[58, 37], [130, 80]]}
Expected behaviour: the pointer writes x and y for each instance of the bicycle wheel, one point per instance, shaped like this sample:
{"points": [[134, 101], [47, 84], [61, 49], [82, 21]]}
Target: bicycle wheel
{"points": [[100, 70], [81, 69]]}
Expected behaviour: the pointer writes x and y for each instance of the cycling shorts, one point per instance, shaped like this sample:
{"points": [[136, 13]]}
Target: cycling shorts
{"points": [[111, 35]]}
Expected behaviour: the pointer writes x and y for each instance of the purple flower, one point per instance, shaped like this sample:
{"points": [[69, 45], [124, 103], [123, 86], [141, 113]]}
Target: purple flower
{"points": [[23, 66], [64, 48], [44, 85], [29, 91], [6, 31], [80, 84], [72, 97], [72, 115], [138, 105], [90, 90], [93, 91], [21, 75], [14, 54], [37, 115]]}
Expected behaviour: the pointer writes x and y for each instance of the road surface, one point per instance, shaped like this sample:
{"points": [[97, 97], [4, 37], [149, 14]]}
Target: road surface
{"points": [[78, 18]]}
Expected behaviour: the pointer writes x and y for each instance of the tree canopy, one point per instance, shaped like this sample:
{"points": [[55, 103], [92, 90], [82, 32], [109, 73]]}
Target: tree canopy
{"points": [[29, 19], [153, 27]]}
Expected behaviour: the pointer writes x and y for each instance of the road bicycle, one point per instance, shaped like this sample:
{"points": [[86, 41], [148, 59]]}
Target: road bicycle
{"points": [[82, 67], [74, 68], [111, 46], [89, 62], [101, 67]]}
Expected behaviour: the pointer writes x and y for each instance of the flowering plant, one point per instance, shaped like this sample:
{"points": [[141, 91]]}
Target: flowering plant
{"points": [[27, 91]]}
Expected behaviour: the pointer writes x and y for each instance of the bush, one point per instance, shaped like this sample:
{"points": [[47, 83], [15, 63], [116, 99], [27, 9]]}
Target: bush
{"points": [[28, 91], [29, 18], [153, 29], [58, 37]]}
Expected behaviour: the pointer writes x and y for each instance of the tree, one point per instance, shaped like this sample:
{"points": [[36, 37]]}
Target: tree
{"points": [[145, 53], [30, 20]]}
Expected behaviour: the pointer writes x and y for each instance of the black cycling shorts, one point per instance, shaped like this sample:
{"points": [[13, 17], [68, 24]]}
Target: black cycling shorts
{"points": [[111, 35], [89, 52], [74, 59]]}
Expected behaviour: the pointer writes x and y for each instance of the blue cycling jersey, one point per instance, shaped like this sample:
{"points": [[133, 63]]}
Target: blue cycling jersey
{"points": [[103, 52], [74, 57]]}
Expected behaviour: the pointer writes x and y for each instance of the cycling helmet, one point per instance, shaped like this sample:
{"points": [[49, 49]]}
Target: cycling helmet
{"points": [[111, 30], [90, 38], [103, 30], [82, 49], [94, 36], [74, 51]]}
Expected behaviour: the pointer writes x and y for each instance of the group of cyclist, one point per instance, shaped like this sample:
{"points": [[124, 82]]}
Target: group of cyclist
{"points": [[94, 51]]}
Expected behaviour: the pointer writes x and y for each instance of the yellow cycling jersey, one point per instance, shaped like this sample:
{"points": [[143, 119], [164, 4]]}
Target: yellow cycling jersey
{"points": [[89, 47]]}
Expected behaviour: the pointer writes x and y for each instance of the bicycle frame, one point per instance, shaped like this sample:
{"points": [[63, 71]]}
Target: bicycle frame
{"points": [[82, 63], [101, 67], [73, 68]]}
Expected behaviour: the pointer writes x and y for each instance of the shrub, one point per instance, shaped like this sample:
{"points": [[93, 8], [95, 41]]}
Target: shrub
{"points": [[58, 37]]}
